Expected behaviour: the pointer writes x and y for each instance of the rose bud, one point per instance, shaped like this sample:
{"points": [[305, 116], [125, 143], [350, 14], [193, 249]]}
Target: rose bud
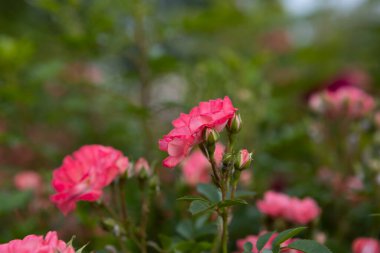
{"points": [[243, 160], [234, 125], [141, 168], [210, 136]]}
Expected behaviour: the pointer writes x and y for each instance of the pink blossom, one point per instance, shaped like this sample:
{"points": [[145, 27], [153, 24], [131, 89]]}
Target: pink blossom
{"points": [[279, 205], [37, 244], [188, 128], [246, 177], [83, 175], [346, 101], [28, 180], [302, 211], [244, 159], [253, 239], [196, 168], [274, 204], [365, 245]]}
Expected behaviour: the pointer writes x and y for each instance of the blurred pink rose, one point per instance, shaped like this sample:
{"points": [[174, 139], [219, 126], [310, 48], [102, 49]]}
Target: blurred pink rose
{"points": [[365, 245], [188, 128], [302, 211], [278, 205], [246, 177], [253, 239], [346, 101], [83, 175], [196, 167], [274, 204], [37, 244], [28, 180]]}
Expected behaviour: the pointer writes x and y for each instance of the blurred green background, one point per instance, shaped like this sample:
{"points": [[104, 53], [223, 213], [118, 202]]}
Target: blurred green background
{"points": [[75, 72]]}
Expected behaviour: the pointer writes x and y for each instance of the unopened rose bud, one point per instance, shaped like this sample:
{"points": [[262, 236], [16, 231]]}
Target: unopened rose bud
{"points": [[243, 160], [210, 136], [141, 168], [234, 124]]}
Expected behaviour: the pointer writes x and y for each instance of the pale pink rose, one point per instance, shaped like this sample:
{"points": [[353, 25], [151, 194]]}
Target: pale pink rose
{"points": [[140, 165], [28, 180], [246, 177], [254, 238], [274, 204], [37, 244], [347, 101], [365, 245], [196, 168], [83, 175], [302, 211], [188, 128]]}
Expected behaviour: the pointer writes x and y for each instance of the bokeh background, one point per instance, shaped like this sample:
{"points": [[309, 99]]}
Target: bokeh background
{"points": [[75, 72]]}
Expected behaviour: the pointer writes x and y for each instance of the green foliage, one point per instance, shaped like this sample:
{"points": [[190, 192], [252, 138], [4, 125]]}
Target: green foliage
{"points": [[308, 246]]}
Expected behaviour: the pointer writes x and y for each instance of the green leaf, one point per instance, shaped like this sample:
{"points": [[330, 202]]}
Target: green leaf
{"points": [[13, 200], [197, 207], [232, 202], [285, 235], [267, 251], [308, 246], [263, 240], [81, 249], [191, 198], [185, 229], [245, 194], [210, 192], [247, 247]]}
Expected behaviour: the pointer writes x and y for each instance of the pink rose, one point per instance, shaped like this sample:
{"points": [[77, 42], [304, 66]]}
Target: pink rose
{"points": [[346, 101], [365, 245], [278, 205], [274, 204], [196, 168], [302, 211], [28, 180], [188, 128], [83, 175], [37, 244]]}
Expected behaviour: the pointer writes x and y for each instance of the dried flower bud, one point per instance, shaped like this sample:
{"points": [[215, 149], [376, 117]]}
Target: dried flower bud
{"points": [[210, 136], [243, 160], [234, 125]]}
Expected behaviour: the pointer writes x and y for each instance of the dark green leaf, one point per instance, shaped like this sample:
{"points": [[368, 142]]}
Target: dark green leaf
{"points": [[285, 235], [232, 202], [185, 229], [191, 198], [263, 240], [210, 192], [308, 246], [198, 206]]}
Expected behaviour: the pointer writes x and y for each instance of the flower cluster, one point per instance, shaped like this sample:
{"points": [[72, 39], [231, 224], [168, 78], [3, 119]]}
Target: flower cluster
{"points": [[366, 245], [346, 101], [37, 244], [188, 128], [278, 205], [254, 238], [83, 175]]}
